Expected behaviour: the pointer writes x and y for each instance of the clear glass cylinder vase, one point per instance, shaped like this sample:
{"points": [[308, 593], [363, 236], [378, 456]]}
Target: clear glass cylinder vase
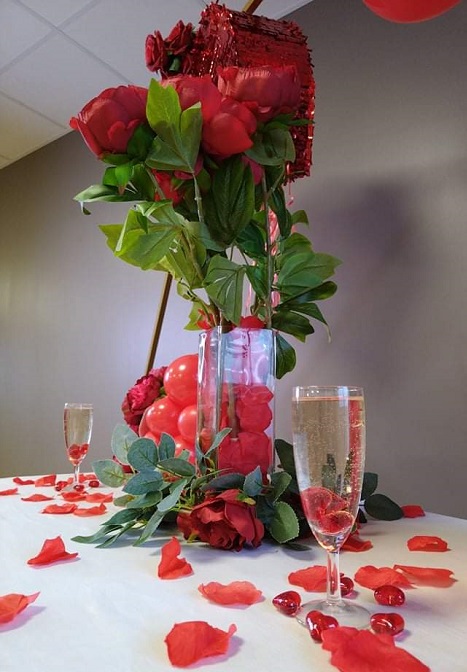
{"points": [[236, 389]]}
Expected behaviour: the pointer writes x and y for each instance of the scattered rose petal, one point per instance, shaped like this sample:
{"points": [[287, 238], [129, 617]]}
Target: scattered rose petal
{"points": [[10, 491], [87, 477], [422, 543], [356, 544], [45, 480], [356, 650], [36, 498], [13, 604], [23, 481], [191, 641], [412, 511], [59, 508], [73, 496], [428, 576], [170, 565], [99, 497], [236, 592], [53, 550], [312, 578], [374, 577], [90, 511]]}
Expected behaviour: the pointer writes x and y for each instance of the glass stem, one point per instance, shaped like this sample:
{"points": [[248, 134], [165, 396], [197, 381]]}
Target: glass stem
{"points": [[333, 578], [76, 474]]}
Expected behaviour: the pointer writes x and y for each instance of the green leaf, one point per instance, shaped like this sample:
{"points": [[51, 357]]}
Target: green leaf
{"points": [[171, 500], [370, 483], [225, 482], [101, 192], [382, 508], [285, 357], [146, 481], [177, 466], [253, 483], [146, 501], [284, 449], [109, 473], [112, 232], [258, 276], [163, 112], [304, 271], [123, 500], [252, 241], [300, 217], [284, 525], [224, 285], [191, 123], [166, 447], [140, 142], [143, 455], [122, 438], [292, 323], [280, 481], [150, 527], [125, 516], [272, 147], [93, 538]]}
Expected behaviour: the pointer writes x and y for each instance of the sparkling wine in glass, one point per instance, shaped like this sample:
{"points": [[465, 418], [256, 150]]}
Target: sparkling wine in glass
{"points": [[77, 425], [328, 424]]}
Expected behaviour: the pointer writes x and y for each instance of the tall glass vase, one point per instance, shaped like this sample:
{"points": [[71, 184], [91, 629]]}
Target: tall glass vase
{"points": [[236, 386]]}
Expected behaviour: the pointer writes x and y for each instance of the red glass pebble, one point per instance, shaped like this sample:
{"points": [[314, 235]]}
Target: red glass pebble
{"points": [[389, 596], [389, 624], [317, 622], [288, 603], [94, 483], [347, 586], [59, 485], [79, 487]]}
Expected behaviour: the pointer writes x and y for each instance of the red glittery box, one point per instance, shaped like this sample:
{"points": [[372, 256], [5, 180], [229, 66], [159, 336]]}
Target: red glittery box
{"points": [[226, 38]]}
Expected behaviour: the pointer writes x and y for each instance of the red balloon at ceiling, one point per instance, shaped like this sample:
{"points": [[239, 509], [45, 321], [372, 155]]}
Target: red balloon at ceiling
{"points": [[409, 11]]}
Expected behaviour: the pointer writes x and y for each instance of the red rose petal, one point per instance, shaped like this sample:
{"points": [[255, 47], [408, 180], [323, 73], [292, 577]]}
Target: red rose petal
{"points": [[53, 550], [11, 491], [99, 498], [356, 650], [424, 543], [191, 641], [356, 544], [170, 565], [23, 481], [73, 496], [374, 577], [87, 477], [311, 578], [13, 604], [90, 511], [236, 592], [428, 576], [412, 511], [59, 508], [36, 498], [45, 480]]}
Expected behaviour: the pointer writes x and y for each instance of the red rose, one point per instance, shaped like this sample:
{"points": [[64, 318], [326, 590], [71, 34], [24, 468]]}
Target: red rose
{"points": [[180, 38], [156, 53], [267, 91], [227, 124], [165, 183], [223, 522], [143, 393], [108, 121]]}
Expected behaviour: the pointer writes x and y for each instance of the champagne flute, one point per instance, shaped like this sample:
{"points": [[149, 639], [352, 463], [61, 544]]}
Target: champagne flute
{"points": [[77, 425], [328, 424]]}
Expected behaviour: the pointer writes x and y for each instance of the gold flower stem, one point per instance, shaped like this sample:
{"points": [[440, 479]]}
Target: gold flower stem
{"points": [[251, 6], [159, 322]]}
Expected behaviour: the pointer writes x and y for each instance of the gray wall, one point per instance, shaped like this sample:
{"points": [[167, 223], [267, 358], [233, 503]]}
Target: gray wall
{"points": [[387, 195]]}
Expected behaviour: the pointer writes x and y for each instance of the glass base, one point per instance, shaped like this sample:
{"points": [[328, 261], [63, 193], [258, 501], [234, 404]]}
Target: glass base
{"points": [[344, 612]]}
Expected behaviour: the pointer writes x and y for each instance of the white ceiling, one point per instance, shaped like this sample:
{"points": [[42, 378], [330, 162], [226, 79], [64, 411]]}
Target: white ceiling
{"points": [[55, 55]]}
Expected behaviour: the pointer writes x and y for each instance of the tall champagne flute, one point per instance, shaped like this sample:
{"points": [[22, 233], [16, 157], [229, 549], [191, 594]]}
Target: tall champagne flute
{"points": [[77, 425], [328, 424]]}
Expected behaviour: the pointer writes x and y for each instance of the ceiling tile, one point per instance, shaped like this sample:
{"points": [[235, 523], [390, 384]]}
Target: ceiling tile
{"points": [[4, 162], [23, 131], [19, 30], [57, 79], [116, 33], [57, 12]]}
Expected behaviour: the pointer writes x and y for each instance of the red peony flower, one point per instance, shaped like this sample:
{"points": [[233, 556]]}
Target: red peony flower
{"points": [[108, 121], [223, 521], [165, 183], [267, 91], [143, 393]]}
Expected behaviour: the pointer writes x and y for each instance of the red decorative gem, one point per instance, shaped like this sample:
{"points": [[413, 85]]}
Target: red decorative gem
{"points": [[59, 485], [288, 603], [389, 624], [390, 596], [347, 586], [94, 483], [317, 622], [79, 487]]}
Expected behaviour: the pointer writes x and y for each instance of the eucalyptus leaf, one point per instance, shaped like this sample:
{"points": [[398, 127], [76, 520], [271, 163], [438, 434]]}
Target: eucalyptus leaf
{"points": [[177, 466], [225, 482], [122, 517], [145, 481], [109, 473], [166, 447], [150, 527], [143, 455], [122, 438], [253, 483], [171, 500]]}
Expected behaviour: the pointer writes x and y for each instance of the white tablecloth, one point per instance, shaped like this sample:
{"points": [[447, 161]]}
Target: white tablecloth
{"points": [[108, 610]]}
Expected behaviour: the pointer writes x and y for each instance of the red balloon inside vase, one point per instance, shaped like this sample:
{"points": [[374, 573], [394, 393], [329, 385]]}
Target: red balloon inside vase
{"points": [[162, 416], [187, 423], [181, 444], [410, 11], [181, 380]]}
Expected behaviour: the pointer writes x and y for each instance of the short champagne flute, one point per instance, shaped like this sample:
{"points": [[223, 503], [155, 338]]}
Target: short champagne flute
{"points": [[77, 425], [328, 424]]}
